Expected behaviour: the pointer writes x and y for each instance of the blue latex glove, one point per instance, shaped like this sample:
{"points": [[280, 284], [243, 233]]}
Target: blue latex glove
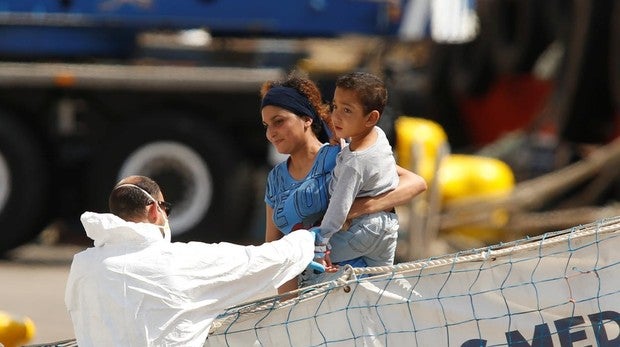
{"points": [[316, 266]]}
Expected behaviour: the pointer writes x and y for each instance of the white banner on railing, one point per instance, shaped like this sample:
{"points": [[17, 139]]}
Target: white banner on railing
{"points": [[561, 290]]}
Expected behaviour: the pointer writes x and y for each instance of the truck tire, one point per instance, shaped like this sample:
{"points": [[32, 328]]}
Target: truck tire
{"points": [[23, 185], [199, 170]]}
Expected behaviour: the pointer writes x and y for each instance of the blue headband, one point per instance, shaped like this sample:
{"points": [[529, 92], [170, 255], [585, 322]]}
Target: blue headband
{"points": [[291, 99]]}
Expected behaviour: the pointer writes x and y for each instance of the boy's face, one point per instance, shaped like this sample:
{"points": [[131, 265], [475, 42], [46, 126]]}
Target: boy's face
{"points": [[348, 114]]}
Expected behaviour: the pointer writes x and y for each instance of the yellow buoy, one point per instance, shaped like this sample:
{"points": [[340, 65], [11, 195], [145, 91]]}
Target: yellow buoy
{"points": [[422, 146], [15, 332], [464, 177], [419, 143]]}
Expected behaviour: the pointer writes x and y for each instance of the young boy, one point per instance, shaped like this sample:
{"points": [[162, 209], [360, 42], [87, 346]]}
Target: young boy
{"points": [[364, 167]]}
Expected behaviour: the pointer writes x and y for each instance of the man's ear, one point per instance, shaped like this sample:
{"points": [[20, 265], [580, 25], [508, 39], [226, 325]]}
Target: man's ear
{"points": [[152, 214], [373, 118]]}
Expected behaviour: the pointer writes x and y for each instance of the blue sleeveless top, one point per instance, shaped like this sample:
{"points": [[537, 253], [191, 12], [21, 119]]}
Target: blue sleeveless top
{"points": [[301, 204]]}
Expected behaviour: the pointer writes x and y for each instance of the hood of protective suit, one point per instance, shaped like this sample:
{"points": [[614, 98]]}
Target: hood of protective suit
{"points": [[109, 229]]}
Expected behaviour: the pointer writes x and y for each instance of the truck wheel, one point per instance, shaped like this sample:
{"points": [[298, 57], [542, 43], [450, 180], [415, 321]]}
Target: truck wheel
{"points": [[200, 173], [23, 185]]}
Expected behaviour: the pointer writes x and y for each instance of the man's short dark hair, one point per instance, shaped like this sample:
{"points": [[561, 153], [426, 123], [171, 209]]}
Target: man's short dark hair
{"points": [[128, 202]]}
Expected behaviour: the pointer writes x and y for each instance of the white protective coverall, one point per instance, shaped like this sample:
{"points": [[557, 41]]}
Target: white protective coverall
{"points": [[134, 288]]}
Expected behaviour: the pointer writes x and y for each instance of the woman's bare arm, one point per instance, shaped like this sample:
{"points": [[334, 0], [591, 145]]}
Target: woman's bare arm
{"points": [[409, 186], [271, 231]]}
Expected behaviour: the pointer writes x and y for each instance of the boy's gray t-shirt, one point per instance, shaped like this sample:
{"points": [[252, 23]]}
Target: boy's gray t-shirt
{"points": [[368, 172]]}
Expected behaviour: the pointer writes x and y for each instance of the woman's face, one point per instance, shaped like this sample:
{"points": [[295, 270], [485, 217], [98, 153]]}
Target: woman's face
{"points": [[284, 129]]}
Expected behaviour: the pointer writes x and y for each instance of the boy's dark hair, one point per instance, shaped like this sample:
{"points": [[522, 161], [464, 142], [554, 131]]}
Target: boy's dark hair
{"points": [[369, 88], [128, 202]]}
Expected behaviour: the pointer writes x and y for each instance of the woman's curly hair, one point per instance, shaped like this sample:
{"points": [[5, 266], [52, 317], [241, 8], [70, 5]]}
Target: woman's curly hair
{"points": [[299, 81]]}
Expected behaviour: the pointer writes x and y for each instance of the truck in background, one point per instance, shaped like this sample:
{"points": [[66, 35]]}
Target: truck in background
{"points": [[94, 90]]}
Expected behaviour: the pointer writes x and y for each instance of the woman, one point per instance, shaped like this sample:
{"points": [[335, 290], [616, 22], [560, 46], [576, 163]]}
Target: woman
{"points": [[296, 122]]}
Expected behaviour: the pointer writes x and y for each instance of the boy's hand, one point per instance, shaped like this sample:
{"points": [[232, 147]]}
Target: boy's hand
{"points": [[322, 262], [329, 267]]}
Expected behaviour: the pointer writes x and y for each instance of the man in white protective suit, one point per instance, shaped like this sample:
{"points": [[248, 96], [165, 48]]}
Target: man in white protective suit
{"points": [[137, 288]]}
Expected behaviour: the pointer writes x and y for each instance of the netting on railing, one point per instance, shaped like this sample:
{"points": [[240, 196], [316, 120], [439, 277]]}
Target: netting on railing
{"points": [[559, 289]]}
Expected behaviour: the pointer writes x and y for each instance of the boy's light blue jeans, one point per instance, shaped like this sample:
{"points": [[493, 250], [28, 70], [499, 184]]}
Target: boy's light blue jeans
{"points": [[371, 238]]}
